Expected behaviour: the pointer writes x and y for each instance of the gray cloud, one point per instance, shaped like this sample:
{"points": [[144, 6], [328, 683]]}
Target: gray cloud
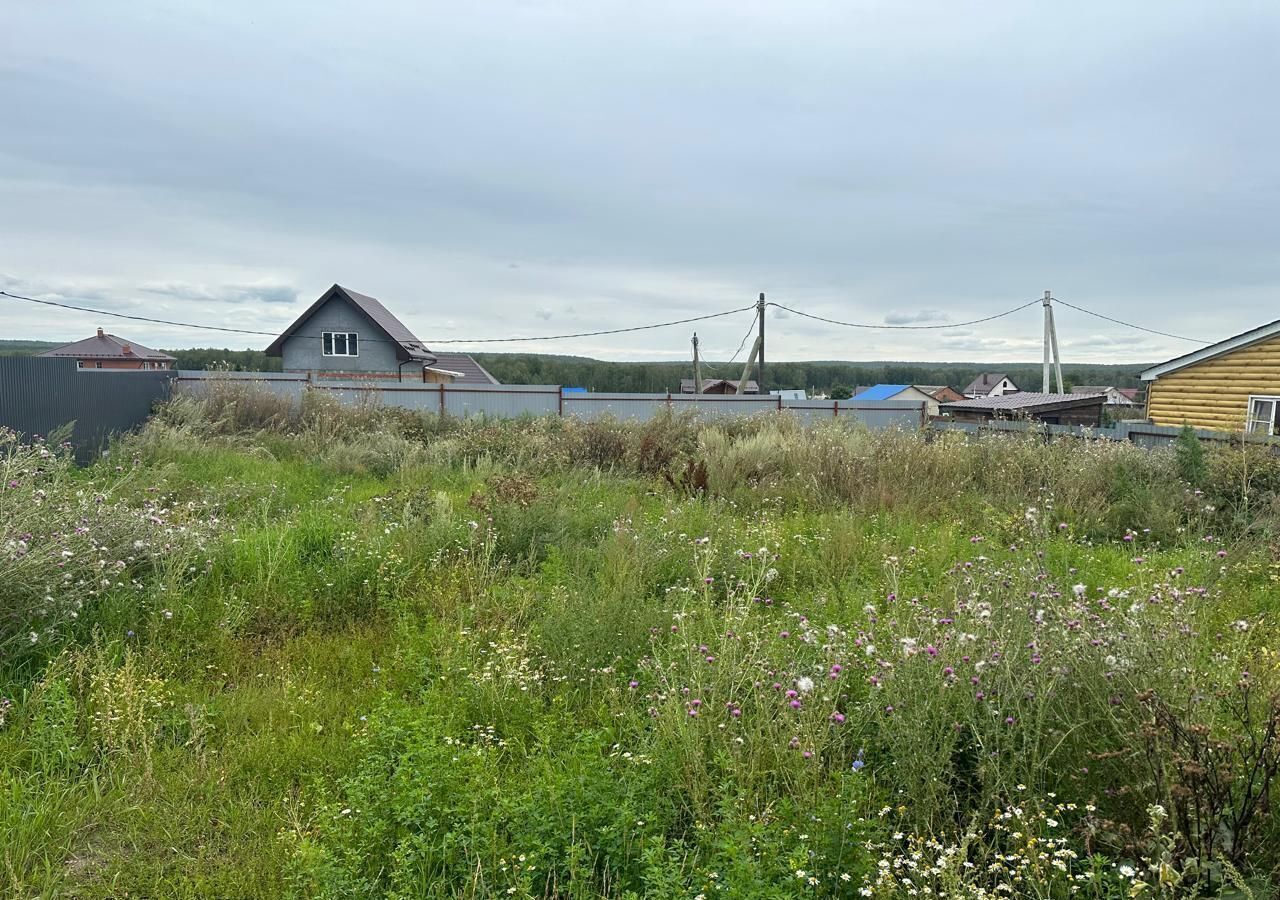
{"points": [[224, 293], [866, 162], [924, 316]]}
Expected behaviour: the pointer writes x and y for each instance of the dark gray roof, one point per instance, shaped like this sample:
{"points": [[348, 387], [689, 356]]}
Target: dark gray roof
{"points": [[106, 346], [984, 382], [472, 372], [408, 347], [1026, 400], [383, 318]]}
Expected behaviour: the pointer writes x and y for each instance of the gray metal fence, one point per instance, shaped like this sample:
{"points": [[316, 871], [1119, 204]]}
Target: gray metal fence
{"points": [[39, 395], [1143, 434], [507, 401]]}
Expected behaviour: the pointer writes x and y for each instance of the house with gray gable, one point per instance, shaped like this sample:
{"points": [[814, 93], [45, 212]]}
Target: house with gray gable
{"points": [[349, 335]]}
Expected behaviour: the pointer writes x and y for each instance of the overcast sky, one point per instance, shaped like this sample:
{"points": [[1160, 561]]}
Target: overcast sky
{"points": [[508, 169]]}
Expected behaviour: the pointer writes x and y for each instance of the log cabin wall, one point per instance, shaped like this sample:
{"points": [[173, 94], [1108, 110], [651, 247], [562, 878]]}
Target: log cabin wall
{"points": [[1215, 393]]}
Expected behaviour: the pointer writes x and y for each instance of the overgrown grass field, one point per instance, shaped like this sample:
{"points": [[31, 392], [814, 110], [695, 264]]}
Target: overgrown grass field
{"points": [[261, 652]]}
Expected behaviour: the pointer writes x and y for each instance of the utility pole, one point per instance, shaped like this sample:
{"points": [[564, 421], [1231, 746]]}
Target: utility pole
{"points": [[760, 316], [1057, 359], [697, 367], [1048, 312], [746, 370], [1050, 346]]}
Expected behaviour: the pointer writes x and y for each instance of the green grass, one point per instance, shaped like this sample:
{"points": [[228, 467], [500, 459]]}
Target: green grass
{"points": [[416, 661]]}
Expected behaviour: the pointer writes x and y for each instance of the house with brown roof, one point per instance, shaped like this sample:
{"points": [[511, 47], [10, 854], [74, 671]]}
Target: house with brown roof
{"points": [[718, 386], [943, 393], [990, 384], [1052, 409], [109, 351], [349, 335]]}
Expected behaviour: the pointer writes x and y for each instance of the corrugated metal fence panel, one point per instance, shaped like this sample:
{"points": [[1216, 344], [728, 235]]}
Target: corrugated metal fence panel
{"points": [[215, 375], [709, 407], [196, 383], [508, 401], [872, 414], [39, 395], [812, 412], [421, 397], [589, 406], [1142, 434]]}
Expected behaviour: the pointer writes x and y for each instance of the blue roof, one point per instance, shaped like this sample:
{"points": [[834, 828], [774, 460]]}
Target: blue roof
{"points": [[883, 391]]}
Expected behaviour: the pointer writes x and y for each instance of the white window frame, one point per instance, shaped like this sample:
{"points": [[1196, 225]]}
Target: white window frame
{"points": [[1250, 421], [327, 338]]}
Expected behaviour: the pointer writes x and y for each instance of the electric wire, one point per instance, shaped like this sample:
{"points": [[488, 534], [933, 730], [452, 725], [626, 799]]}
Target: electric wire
{"points": [[118, 315], [626, 330], [549, 337], [558, 337], [1089, 312], [745, 338], [1000, 315]]}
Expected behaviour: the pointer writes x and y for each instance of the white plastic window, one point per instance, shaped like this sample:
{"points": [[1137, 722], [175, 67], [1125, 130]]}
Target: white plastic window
{"points": [[1262, 415], [340, 343]]}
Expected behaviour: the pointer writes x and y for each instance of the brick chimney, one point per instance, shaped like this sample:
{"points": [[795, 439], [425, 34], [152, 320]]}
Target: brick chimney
{"points": [[99, 332], [126, 350]]}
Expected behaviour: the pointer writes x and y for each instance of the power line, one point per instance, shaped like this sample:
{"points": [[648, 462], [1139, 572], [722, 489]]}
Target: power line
{"points": [[609, 331], [103, 312], [750, 331], [549, 337], [904, 327], [1089, 312], [558, 337]]}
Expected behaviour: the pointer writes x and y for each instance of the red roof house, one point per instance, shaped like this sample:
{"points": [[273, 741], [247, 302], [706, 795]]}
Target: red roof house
{"points": [[108, 351]]}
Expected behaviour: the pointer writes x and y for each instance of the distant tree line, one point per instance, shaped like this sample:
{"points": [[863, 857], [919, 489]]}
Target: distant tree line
{"points": [[825, 377], [833, 378], [234, 360]]}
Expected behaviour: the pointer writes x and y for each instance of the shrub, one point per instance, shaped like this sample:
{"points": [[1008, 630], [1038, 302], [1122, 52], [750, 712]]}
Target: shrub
{"points": [[66, 539]]}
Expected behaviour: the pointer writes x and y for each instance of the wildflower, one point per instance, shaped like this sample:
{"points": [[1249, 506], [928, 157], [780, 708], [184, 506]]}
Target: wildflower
{"points": [[858, 762], [1127, 871], [804, 684]]}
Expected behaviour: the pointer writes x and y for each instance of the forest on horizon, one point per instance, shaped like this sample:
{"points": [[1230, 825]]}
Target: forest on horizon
{"points": [[643, 377]]}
